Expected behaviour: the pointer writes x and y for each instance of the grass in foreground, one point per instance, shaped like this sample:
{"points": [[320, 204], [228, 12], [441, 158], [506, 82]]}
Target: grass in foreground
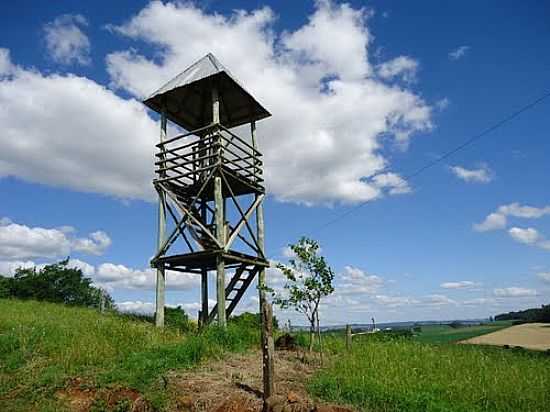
{"points": [[405, 375], [43, 345]]}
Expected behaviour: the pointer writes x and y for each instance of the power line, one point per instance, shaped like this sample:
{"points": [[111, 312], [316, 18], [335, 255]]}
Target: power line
{"points": [[441, 158]]}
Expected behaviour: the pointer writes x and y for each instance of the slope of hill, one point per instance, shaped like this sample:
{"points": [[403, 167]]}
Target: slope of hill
{"points": [[46, 348]]}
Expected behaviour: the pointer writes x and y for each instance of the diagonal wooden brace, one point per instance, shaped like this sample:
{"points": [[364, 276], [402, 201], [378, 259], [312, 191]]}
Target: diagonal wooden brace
{"points": [[243, 221]]}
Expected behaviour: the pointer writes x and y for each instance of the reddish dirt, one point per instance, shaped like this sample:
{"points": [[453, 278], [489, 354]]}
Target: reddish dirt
{"points": [[234, 384], [80, 396]]}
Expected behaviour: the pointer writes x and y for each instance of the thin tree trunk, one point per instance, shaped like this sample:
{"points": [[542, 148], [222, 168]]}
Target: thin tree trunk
{"points": [[311, 333], [319, 336]]}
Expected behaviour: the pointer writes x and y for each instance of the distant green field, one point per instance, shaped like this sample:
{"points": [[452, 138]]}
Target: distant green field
{"points": [[403, 374], [447, 334], [43, 345]]}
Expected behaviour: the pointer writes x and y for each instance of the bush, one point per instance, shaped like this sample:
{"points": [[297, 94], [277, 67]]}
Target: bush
{"points": [[251, 320], [178, 319], [55, 283]]}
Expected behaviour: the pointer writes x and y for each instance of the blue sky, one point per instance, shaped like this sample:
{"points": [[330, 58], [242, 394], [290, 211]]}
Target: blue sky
{"points": [[362, 94]]}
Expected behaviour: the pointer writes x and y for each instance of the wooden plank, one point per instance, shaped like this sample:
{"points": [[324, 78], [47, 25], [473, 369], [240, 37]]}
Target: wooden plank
{"points": [[241, 291], [181, 136], [268, 351]]}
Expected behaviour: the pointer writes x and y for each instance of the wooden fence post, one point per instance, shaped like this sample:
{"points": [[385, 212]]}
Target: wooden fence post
{"points": [[268, 349], [348, 337]]}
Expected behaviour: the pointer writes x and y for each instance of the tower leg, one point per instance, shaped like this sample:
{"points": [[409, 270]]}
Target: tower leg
{"points": [[161, 279], [260, 234], [204, 297], [259, 228], [220, 264], [204, 279]]}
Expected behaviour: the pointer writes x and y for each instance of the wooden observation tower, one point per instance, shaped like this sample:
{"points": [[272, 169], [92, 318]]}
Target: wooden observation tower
{"points": [[210, 185]]}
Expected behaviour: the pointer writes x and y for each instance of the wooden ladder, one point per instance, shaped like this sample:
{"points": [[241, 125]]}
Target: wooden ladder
{"points": [[235, 289]]}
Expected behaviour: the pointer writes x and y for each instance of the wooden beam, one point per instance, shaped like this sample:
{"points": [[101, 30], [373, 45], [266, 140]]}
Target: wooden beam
{"points": [[241, 223], [161, 275], [268, 351], [242, 214]]}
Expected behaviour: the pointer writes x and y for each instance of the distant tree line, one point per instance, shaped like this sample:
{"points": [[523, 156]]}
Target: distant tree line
{"points": [[56, 283], [541, 314]]}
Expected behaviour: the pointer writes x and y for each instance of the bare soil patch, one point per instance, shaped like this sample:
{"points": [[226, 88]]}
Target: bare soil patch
{"points": [[534, 336], [80, 396], [234, 384]]}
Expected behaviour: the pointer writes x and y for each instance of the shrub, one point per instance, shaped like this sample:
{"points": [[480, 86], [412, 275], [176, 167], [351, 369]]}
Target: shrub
{"points": [[57, 283], [177, 318], [251, 320]]}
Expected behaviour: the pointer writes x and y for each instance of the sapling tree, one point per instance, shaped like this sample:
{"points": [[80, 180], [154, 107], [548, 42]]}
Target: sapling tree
{"points": [[308, 280]]}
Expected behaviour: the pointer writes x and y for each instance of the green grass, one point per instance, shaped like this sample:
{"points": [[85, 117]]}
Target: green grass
{"points": [[447, 334], [408, 375], [43, 345]]}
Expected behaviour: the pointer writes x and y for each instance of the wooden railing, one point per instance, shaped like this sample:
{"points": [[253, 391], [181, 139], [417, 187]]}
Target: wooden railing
{"points": [[187, 159]]}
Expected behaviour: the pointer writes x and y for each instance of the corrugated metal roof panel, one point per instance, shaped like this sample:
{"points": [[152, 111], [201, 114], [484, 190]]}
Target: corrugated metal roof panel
{"points": [[188, 97]]}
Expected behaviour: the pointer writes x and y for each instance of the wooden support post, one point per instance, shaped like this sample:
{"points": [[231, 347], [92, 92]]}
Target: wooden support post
{"points": [[215, 106], [259, 227], [348, 337], [161, 278], [204, 278], [268, 350], [219, 219], [204, 297], [220, 264]]}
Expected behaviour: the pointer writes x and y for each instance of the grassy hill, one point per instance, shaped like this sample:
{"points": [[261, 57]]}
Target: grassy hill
{"points": [[430, 373], [46, 347], [52, 355]]}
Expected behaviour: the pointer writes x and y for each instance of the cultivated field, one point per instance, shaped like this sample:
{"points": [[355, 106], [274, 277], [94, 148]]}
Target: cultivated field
{"points": [[447, 334], [530, 336]]}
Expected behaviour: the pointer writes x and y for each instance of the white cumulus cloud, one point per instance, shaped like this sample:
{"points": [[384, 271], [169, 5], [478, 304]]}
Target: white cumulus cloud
{"points": [[514, 292], [330, 110], [22, 242], [402, 66], [94, 245], [65, 41], [85, 127], [529, 236], [463, 284], [481, 175], [117, 276], [499, 219], [355, 281], [459, 52], [8, 267]]}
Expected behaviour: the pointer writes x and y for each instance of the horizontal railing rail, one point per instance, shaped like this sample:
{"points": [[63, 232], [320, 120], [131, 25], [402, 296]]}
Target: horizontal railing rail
{"points": [[186, 163]]}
